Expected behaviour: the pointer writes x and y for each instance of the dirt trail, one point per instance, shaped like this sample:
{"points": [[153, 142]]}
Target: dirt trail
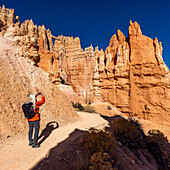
{"points": [[17, 155]]}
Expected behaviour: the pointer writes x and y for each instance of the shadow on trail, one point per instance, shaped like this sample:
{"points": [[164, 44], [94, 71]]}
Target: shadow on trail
{"points": [[71, 154], [67, 155], [114, 118], [47, 131], [111, 118]]}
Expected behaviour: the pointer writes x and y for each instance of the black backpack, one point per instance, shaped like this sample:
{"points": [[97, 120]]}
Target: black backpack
{"points": [[28, 110]]}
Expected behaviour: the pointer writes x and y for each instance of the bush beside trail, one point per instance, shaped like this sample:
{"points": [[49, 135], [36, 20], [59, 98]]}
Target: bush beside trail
{"points": [[127, 133], [90, 109], [157, 144], [78, 106], [87, 108], [102, 145]]}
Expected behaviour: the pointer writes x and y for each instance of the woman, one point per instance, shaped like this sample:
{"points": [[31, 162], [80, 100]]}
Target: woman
{"points": [[35, 121]]}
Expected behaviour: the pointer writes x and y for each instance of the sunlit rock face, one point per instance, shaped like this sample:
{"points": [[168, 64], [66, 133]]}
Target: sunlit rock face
{"points": [[130, 73], [149, 80], [75, 65], [114, 73], [7, 16]]}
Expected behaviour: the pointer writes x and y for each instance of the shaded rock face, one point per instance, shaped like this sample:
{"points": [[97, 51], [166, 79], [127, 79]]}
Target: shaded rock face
{"points": [[129, 74]]}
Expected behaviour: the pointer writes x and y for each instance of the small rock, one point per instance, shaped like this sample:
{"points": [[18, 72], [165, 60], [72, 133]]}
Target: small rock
{"points": [[62, 159], [119, 143], [59, 158], [132, 161]]}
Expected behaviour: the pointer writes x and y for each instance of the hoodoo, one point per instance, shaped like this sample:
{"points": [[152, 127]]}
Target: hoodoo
{"points": [[130, 73]]}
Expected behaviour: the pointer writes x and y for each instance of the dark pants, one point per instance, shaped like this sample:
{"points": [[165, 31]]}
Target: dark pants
{"points": [[36, 125]]}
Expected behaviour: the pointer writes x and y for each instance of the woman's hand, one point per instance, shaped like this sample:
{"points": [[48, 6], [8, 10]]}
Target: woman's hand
{"points": [[39, 93]]}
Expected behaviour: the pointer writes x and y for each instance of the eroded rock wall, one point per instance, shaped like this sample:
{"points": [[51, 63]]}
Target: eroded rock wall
{"points": [[76, 65], [130, 73], [7, 16], [149, 80]]}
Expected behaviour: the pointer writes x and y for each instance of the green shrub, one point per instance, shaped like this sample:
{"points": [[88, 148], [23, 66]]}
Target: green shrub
{"points": [[126, 132], [72, 104], [109, 108], [101, 148], [80, 107], [157, 143], [77, 105], [99, 141], [90, 109], [101, 161]]}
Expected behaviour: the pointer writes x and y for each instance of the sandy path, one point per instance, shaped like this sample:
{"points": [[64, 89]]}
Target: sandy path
{"points": [[18, 155]]}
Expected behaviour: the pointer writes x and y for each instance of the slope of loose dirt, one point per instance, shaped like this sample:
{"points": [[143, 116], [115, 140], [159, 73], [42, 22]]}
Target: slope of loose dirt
{"points": [[70, 93], [18, 78]]}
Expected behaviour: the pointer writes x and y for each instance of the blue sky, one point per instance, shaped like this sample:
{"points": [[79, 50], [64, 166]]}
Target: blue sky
{"points": [[95, 21]]}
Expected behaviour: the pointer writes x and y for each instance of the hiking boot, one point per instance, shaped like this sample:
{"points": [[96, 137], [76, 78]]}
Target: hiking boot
{"points": [[30, 143], [35, 146]]}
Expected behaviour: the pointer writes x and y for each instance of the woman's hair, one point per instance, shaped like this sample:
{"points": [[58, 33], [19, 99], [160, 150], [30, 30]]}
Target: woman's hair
{"points": [[32, 98]]}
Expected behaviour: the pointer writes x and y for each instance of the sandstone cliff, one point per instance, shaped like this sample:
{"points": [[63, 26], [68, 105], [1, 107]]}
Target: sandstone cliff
{"points": [[129, 74]]}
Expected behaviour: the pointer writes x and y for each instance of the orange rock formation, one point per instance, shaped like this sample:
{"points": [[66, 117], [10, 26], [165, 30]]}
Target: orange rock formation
{"points": [[129, 74]]}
